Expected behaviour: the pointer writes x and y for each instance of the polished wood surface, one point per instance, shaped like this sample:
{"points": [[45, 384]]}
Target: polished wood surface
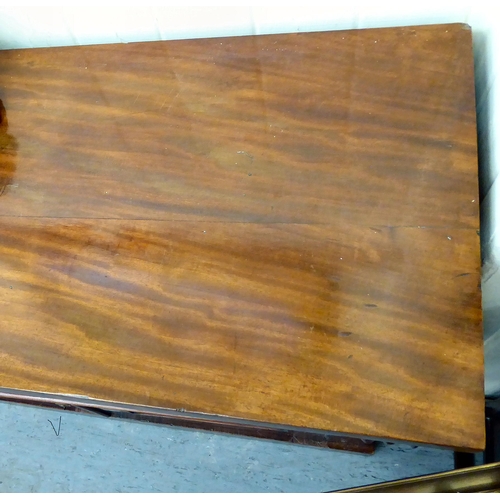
{"points": [[281, 229]]}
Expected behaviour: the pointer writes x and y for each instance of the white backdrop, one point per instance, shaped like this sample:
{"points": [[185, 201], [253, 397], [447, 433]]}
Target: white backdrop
{"points": [[76, 24]]}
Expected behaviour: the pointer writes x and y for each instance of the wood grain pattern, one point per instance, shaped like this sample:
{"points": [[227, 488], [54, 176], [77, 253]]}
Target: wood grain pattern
{"points": [[277, 228]]}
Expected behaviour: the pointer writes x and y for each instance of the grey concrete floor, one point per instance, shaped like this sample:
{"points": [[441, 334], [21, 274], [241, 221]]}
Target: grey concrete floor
{"points": [[96, 454]]}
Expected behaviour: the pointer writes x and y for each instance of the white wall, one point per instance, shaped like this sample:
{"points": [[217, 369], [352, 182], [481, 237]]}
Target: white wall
{"points": [[24, 27], [77, 25]]}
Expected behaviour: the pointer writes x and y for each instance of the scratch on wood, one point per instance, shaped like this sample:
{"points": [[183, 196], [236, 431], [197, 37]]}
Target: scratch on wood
{"points": [[245, 153], [171, 102]]}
